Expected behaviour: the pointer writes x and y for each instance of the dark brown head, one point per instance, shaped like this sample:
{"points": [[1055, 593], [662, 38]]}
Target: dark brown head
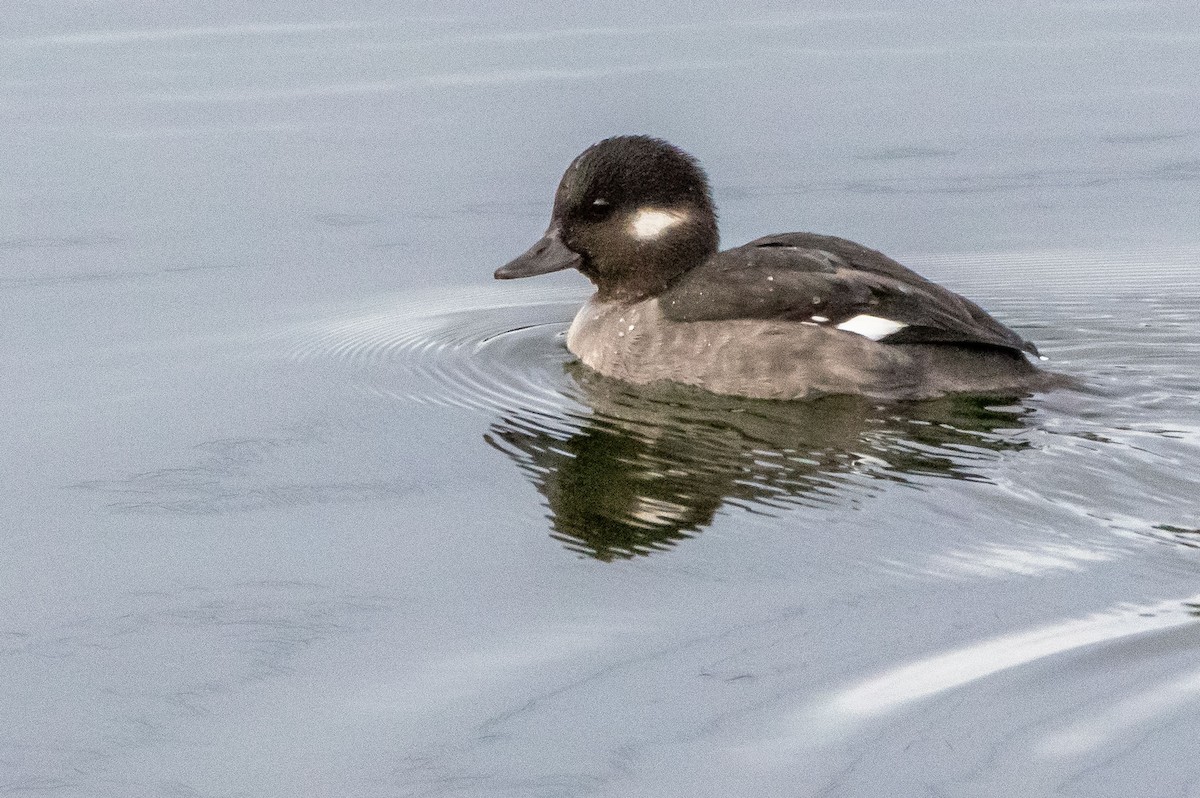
{"points": [[632, 213]]}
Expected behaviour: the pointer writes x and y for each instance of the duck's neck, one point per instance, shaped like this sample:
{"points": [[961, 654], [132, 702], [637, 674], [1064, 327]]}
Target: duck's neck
{"points": [[636, 269]]}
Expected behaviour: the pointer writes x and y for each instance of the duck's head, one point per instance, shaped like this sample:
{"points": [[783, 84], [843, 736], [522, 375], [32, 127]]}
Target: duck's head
{"points": [[632, 213]]}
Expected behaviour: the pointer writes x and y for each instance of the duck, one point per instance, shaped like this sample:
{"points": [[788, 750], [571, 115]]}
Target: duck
{"points": [[789, 316]]}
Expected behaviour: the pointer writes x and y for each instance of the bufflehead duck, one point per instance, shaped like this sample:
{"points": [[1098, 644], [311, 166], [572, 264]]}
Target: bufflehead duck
{"points": [[788, 316]]}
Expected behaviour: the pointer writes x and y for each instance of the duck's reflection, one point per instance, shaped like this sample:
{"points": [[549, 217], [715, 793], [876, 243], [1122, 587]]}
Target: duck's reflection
{"points": [[645, 469]]}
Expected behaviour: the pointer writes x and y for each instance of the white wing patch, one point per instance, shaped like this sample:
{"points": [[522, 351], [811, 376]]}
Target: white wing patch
{"points": [[649, 223], [872, 327]]}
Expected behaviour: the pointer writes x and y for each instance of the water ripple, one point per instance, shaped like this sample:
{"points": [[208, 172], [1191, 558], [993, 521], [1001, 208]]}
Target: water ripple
{"points": [[947, 671], [626, 470], [483, 350]]}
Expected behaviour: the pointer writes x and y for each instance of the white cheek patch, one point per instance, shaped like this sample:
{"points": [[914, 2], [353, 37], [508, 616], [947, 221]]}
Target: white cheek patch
{"points": [[872, 327], [649, 223]]}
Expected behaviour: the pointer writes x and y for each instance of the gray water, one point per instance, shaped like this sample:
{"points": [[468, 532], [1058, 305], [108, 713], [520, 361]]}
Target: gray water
{"points": [[298, 501]]}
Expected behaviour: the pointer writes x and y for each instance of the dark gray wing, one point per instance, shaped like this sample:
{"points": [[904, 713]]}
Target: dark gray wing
{"points": [[830, 281]]}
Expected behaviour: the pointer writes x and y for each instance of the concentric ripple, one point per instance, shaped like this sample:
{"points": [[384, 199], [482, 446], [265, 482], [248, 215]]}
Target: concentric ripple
{"points": [[491, 350]]}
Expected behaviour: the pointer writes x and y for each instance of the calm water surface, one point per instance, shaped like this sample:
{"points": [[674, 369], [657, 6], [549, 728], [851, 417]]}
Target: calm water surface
{"points": [[299, 502]]}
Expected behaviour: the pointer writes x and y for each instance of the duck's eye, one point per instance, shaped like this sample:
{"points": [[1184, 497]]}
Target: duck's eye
{"points": [[597, 208]]}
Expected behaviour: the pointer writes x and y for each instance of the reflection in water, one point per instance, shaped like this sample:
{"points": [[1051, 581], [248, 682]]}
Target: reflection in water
{"points": [[645, 469]]}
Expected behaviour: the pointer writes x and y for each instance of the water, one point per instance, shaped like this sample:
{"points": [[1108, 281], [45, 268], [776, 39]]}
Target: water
{"points": [[298, 501]]}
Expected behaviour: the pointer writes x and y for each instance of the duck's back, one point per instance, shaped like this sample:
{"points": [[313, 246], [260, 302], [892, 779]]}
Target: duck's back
{"points": [[835, 283]]}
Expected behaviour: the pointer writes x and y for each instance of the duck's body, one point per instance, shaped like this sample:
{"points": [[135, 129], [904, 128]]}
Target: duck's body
{"points": [[784, 317], [766, 359]]}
